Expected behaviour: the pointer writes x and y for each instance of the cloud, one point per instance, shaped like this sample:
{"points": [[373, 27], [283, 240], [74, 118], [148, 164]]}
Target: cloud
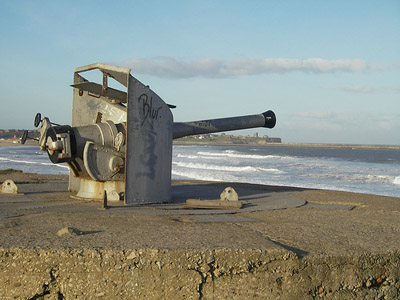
{"points": [[345, 121], [340, 127], [169, 67], [357, 89], [363, 89], [322, 120]]}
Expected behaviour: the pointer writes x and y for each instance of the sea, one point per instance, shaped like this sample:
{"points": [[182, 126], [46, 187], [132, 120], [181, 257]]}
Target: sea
{"points": [[361, 170]]}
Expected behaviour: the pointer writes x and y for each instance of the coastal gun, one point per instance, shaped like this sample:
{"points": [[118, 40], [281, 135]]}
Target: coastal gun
{"points": [[120, 142]]}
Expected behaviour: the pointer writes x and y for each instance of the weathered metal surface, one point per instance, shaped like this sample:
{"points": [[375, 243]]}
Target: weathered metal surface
{"points": [[149, 146], [266, 119], [92, 189], [113, 94], [88, 109], [120, 141]]}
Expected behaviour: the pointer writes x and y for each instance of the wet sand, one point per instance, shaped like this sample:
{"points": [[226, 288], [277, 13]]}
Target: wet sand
{"points": [[16, 143], [9, 143]]}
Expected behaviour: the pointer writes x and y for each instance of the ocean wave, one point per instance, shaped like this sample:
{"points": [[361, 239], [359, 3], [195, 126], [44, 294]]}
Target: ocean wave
{"points": [[209, 176], [378, 178], [360, 178], [231, 151], [234, 154], [197, 157], [187, 156], [272, 170], [32, 162], [215, 167], [227, 168], [252, 165]]}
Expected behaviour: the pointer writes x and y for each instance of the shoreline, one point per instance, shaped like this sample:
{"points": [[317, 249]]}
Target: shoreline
{"points": [[15, 143], [16, 174], [368, 190], [299, 145]]}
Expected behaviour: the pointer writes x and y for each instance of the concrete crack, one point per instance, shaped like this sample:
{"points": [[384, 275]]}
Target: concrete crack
{"points": [[47, 288]]}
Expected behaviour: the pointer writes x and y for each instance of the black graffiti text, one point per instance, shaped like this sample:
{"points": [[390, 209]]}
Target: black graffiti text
{"points": [[149, 112]]}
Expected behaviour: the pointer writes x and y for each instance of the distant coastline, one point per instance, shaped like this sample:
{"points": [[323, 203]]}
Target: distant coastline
{"points": [[14, 143], [7, 140], [266, 141], [310, 145]]}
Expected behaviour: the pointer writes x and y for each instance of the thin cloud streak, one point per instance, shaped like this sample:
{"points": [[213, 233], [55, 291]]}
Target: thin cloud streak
{"points": [[362, 89], [357, 89], [344, 121], [169, 67]]}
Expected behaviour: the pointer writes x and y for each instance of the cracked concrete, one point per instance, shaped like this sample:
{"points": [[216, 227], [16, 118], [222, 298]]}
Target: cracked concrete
{"points": [[195, 274], [334, 246]]}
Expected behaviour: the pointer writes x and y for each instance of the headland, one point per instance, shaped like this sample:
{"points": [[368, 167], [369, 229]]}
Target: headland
{"points": [[265, 141]]}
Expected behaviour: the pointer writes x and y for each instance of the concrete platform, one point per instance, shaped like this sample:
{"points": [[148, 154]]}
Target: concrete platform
{"points": [[285, 243]]}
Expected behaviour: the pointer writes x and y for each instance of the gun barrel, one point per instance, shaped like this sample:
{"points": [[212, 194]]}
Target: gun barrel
{"points": [[266, 119]]}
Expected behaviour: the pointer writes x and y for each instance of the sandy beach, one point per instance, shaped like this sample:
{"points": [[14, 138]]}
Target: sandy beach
{"points": [[9, 143], [16, 142]]}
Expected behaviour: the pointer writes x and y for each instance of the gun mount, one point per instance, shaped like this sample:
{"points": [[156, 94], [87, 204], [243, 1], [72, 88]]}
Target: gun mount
{"points": [[120, 142]]}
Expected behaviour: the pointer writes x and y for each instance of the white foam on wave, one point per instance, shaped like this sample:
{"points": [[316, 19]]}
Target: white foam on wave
{"points": [[379, 178], [231, 154], [215, 167], [187, 156], [211, 176], [231, 151], [32, 162], [356, 178], [207, 176], [272, 170], [227, 168], [386, 179]]}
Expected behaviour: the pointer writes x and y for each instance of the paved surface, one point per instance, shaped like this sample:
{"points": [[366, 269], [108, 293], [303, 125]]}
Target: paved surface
{"points": [[314, 222], [316, 231]]}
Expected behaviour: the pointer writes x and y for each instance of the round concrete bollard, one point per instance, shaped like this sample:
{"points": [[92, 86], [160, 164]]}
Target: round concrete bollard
{"points": [[9, 187], [229, 194]]}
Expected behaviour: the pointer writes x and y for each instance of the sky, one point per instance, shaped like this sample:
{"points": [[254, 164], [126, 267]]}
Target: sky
{"points": [[330, 70]]}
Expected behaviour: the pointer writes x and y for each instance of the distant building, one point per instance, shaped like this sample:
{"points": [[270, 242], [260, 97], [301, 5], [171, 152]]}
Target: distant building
{"points": [[273, 140]]}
